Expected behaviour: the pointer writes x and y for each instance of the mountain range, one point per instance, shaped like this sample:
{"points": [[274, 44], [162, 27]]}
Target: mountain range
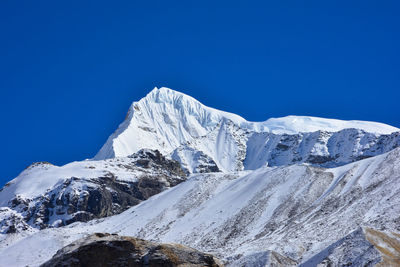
{"points": [[291, 191]]}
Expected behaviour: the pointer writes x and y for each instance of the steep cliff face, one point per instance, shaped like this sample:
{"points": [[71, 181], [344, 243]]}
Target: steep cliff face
{"points": [[194, 161], [224, 146], [162, 120], [95, 189], [321, 148]]}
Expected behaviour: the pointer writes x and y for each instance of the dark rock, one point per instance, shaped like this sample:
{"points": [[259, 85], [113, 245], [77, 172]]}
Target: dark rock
{"points": [[84, 199], [153, 158], [334, 148], [203, 162], [11, 222], [317, 159], [101, 249]]}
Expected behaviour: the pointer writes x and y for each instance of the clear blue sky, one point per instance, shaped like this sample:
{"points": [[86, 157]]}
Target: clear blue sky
{"points": [[70, 69]]}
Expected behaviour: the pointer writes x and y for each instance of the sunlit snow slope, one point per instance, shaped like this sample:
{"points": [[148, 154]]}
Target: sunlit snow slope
{"points": [[177, 124], [44, 195]]}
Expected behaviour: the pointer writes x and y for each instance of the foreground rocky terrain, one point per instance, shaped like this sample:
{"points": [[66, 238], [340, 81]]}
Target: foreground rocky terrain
{"points": [[293, 191], [101, 249]]}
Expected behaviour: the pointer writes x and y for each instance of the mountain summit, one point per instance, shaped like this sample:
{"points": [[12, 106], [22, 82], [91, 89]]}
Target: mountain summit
{"points": [[180, 126]]}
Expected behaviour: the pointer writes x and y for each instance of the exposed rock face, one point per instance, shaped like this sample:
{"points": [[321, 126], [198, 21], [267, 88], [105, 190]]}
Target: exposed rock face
{"points": [[352, 250], [100, 250], [222, 149], [194, 161], [363, 247], [86, 198], [231, 148], [388, 245], [153, 159], [324, 149], [12, 222]]}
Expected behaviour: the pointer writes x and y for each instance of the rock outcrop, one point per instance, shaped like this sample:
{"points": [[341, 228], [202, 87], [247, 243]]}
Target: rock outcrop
{"points": [[194, 161], [363, 247], [85, 198], [321, 148], [12, 222], [100, 250]]}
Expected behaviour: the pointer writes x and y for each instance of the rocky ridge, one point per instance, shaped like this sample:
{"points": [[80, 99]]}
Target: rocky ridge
{"points": [[117, 185]]}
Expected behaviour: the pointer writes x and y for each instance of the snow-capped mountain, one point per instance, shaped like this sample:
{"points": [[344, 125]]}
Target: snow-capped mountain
{"points": [[292, 191], [178, 125]]}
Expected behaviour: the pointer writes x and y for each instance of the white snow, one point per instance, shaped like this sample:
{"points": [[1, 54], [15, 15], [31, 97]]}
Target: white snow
{"points": [[297, 124], [166, 119], [41, 177], [228, 214]]}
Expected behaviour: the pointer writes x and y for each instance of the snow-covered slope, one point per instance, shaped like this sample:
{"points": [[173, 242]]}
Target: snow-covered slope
{"points": [[296, 211], [171, 121], [305, 124], [46, 195], [163, 120]]}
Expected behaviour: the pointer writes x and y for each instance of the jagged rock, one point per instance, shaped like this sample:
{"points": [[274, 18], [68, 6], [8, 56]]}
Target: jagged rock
{"points": [[222, 149], [388, 245], [101, 249], [85, 198], [12, 222], [194, 161], [321, 148], [153, 159]]}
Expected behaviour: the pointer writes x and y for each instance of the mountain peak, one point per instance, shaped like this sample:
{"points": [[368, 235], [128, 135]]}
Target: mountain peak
{"points": [[157, 93], [167, 95], [165, 119]]}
